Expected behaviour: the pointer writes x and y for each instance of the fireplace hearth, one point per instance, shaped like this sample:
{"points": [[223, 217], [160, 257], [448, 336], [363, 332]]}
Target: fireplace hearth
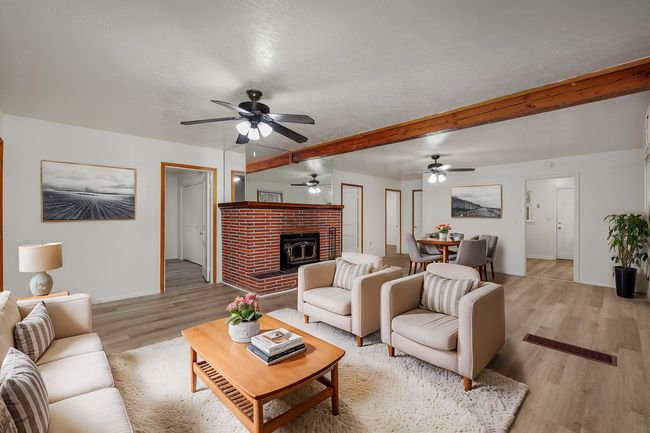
{"points": [[299, 249]]}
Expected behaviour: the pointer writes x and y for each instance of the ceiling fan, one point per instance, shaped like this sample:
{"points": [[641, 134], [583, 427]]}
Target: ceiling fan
{"points": [[312, 184], [439, 171], [257, 119]]}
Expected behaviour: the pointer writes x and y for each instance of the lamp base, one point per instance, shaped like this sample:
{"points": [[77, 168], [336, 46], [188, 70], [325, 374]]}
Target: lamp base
{"points": [[41, 284]]}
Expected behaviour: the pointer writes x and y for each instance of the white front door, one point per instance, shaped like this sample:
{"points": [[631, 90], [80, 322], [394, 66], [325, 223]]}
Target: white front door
{"points": [[351, 237], [564, 223], [192, 236], [417, 214]]}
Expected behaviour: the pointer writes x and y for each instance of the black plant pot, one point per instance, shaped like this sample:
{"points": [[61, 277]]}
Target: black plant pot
{"points": [[625, 281]]}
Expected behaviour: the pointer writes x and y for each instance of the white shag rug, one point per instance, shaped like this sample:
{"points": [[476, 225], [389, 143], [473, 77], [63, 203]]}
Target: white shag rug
{"points": [[377, 393]]}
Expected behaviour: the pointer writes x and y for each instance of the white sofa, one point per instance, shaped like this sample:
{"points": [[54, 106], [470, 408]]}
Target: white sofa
{"points": [[75, 370]]}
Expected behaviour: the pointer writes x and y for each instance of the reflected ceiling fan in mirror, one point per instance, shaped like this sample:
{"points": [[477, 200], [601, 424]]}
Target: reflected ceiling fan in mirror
{"points": [[313, 184], [438, 171], [258, 120]]}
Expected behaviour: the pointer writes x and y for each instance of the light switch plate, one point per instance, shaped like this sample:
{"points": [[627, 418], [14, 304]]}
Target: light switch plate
{"points": [[549, 219]]}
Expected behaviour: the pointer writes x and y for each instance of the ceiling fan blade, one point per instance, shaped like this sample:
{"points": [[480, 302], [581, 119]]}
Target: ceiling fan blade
{"points": [[460, 169], [416, 174], [421, 171], [233, 107], [287, 132], [445, 167], [242, 139], [219, 119], [291, 118], [300, 184]]}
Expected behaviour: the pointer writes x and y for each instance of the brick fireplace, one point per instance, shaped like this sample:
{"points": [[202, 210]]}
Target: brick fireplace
{"points": [[252, 249]]}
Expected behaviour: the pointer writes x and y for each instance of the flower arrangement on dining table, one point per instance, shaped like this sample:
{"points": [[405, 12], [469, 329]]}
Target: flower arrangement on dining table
{"points": [[443, 228], [244, 309]]}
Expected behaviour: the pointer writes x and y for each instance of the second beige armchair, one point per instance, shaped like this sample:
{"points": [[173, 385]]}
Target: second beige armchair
{"points": [[357, 310]]}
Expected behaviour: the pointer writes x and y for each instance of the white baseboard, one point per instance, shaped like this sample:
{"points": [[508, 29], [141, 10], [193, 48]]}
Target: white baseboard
{"points": [[531, 256], [130, 295]]}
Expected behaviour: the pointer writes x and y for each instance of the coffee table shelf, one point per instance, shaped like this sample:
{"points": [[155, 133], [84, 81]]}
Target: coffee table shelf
{"points": [[223, 389]]}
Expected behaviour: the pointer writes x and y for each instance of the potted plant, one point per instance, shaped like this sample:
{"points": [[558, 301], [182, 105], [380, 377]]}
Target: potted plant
{"points": [[444, 229], [627, 235], [244, 315]]}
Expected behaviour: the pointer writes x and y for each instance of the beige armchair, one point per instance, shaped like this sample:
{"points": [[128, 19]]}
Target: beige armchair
{"points": [[463, 344], [356, 311]]}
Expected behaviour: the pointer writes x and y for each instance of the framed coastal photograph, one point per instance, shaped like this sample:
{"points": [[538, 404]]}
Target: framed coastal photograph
{"points": [[80, 192], [269, 196], [482, 201]]}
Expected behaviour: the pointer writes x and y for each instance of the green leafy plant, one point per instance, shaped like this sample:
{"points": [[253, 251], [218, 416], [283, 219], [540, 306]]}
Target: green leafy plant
{"points": [[244, 309], [627, 235]]}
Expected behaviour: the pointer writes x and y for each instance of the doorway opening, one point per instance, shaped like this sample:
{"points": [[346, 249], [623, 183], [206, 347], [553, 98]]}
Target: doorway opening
{"points": [[352, 218], [188, 226], [551, 228], [393, 222]]}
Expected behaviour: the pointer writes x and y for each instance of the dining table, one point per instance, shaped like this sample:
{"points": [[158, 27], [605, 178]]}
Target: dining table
{"points": [[443, 245]]}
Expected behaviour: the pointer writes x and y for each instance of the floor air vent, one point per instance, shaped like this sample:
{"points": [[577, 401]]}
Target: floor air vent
{"points": [[571, 349]]}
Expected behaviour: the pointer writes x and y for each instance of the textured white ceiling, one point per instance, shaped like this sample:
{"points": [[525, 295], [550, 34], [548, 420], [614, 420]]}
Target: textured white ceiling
{"points": [[615, 124], [141, 67]]}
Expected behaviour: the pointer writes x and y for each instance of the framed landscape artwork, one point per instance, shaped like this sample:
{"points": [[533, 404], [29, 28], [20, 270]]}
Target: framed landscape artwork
{"points": [[476, 201], [80, 192]]}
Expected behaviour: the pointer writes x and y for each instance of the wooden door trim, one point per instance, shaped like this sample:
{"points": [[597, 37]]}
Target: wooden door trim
{"points": [[232, 183], [357, 186], [386, 218], [413, 209], [163, 188]]}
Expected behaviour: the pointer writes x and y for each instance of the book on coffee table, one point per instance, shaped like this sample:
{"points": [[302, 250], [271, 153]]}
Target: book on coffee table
{"points": [[270, 360], [276, 341]]}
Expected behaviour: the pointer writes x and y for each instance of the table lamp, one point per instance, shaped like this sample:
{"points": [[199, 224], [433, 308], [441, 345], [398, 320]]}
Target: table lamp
{"points": [[40, 258]]}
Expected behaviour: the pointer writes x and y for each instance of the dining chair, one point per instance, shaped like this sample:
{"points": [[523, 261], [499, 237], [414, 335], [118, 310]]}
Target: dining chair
{"points": [[473, 254], [492, 253], [487, 240], [418, 257]]}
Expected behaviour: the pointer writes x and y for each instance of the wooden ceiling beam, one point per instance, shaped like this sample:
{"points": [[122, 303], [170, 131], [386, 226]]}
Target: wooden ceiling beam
{"points": [[610, 83], [271, 162]]}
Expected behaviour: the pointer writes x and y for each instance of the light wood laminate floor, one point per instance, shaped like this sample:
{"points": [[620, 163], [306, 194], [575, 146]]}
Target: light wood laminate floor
{"points": [[551, 269], [183, 274], [566, 393]]}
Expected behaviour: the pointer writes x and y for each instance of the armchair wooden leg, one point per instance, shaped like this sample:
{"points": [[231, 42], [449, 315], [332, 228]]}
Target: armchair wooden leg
{"points": [[468, 384], [359, 341], [492, 266], [306, 318], [391, 351]]}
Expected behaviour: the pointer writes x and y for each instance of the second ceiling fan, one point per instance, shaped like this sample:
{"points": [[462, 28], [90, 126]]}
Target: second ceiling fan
{"points": [[438, 171], [258, 120], [313, 184]]}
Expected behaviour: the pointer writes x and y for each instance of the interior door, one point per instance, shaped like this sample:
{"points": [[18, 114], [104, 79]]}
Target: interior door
{"points": [[564, 229], [351, 200], [192, 237], [417, 214], [205, 235]]}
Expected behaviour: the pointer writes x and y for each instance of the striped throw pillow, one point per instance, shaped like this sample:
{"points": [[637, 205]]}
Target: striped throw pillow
{"points": [[35, 333], [441, 295], [346, 272], [23, 391]]}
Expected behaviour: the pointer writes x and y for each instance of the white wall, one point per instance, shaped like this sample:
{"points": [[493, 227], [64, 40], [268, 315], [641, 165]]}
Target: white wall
{"points": [[171, 216], [609, 183], [234, 161], [107, 259], [540, 232], [2, 123], [374, 189]]}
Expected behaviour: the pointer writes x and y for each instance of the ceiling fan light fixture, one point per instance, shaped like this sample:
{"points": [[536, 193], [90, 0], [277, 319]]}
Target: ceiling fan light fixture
{"points": [[243, 127], [317, 190], [265, 129], [433, 178], [441, 178], [312, 190], [254, 134]]}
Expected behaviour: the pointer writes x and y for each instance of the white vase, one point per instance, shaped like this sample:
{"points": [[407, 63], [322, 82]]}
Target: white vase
{"points": [[243, 332], [443, 236]]}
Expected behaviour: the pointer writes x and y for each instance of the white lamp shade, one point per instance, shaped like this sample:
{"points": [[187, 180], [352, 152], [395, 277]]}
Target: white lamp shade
{"points": [[243, 127], [265, 129], [40, 257], [254, 134], [441, 178], [433, 178]]}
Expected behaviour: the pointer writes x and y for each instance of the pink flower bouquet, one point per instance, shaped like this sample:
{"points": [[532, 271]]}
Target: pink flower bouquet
{"points": [[244, 309], [444, 228]]}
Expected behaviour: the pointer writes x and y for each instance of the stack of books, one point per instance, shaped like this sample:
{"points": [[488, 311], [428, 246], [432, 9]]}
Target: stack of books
{"points": [[274, 346]]}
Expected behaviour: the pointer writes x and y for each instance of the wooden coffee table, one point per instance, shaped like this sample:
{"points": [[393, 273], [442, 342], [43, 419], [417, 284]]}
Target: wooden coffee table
{"points": [[244, 384]]}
